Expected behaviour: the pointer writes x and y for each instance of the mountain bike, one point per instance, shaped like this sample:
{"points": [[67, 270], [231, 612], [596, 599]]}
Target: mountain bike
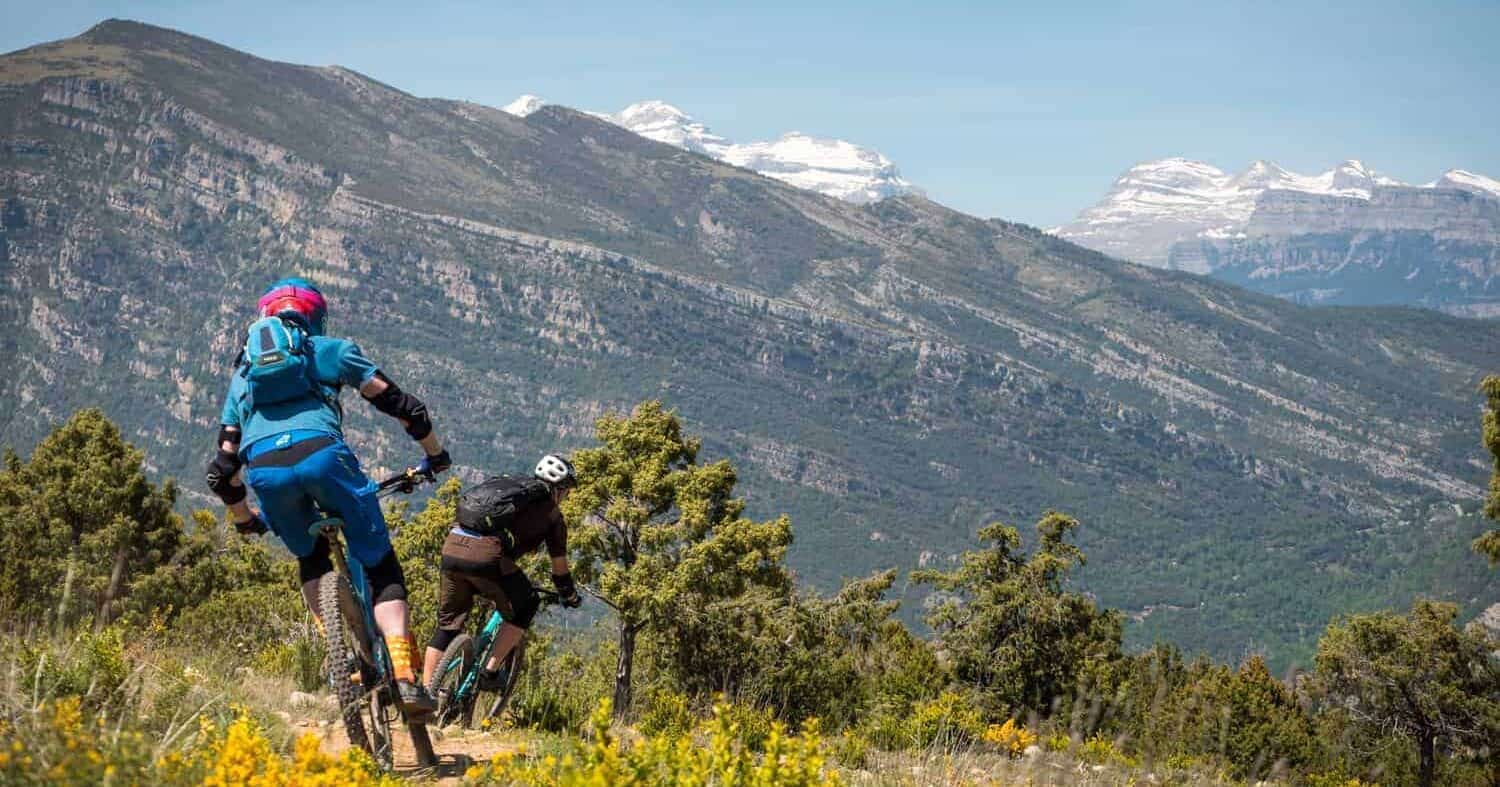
{"points": [[455, 683], [358, 665]]}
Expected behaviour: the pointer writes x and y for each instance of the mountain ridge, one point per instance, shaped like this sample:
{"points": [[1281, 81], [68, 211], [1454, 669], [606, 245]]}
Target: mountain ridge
{"points": [[895, 368]]}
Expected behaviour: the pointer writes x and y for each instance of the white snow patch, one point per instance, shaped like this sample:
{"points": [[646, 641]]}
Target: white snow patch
{"points": [[1468, 181], [829, 166], [523, 106]]}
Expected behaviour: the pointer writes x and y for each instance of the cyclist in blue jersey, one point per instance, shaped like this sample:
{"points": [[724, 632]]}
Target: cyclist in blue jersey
{"points": [[286, 433]]}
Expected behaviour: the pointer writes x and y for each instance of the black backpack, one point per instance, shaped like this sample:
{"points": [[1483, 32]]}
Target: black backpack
{"points": [[491, 507]]}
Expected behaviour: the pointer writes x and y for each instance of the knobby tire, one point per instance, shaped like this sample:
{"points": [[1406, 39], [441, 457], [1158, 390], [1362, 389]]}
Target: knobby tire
{"points": [[457, 661]]}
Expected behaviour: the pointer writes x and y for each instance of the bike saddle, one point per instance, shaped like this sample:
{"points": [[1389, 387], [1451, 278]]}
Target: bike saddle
{"points": [[324, 524]]}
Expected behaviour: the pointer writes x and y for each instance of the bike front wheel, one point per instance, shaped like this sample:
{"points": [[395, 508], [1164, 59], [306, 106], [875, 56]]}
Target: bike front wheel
{"points": [[447, 681], [346, 643], [512, 669]]}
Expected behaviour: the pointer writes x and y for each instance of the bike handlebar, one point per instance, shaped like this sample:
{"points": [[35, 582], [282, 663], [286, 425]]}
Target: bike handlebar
{"points": [[405, 482]]}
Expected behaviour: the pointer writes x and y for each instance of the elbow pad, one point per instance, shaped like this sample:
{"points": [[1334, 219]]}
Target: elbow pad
{"points": [[399, 404], [220, 477]]}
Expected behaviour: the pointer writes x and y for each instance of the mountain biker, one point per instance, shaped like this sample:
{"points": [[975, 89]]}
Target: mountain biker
{"points": [[295, 459], [485, 565]]}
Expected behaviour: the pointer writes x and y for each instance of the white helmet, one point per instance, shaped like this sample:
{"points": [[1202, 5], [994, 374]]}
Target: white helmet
{"points": [[555, 470]]}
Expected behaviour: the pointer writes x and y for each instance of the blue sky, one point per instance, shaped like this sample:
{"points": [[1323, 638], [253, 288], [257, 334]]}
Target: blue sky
{"points": [[1026, 112]]}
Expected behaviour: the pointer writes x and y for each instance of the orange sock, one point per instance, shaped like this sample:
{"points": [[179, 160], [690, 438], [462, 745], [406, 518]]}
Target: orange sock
{"points": [[403, 657], [416, 655]]}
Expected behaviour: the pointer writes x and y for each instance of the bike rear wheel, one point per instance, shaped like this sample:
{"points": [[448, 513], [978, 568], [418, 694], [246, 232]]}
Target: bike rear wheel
{"points": [[452, 669]]}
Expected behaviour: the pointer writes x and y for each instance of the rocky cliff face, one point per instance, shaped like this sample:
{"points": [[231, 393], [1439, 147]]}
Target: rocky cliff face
{"points": [[1435, 247], [1448, 214], [893, 375]]}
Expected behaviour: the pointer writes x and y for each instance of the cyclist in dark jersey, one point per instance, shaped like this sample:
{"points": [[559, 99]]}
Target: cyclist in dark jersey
{"points": [[485, 565]]}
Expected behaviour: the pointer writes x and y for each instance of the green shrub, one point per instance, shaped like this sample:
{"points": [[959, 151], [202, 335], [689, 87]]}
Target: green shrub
{"points": [[561, 684], [170, 702], [1015, 632], [543, 711], [91, 667], [1335, 779], [1099, 750], [947, 721], [748, 724], [851, 749], [602, 758], [885, 729], [300, 659], [240, 623], [666, 714]]}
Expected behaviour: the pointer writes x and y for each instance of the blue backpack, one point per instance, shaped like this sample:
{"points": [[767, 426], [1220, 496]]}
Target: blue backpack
{"points": [[277, 362]]}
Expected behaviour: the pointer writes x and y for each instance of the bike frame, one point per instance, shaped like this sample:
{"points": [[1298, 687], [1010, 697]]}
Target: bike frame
{"points": [[483, 644]]}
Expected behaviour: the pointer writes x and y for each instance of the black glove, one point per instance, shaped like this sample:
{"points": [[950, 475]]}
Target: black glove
{"points": [[432, 465], [567, 592], [253, 526], [220, 474]]}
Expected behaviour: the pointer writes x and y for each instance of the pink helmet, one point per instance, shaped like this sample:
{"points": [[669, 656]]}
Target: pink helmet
{"points": [[295, 295]]}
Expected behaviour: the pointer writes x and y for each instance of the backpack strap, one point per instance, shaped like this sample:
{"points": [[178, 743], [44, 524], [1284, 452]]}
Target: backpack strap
{"points": [[319, 390]]}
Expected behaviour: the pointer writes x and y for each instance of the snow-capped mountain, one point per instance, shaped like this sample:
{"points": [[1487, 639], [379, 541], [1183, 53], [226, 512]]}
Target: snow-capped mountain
{"points": [[1160, 203], [663, 122], [1348, 235], [525, 105], [829, 166]]}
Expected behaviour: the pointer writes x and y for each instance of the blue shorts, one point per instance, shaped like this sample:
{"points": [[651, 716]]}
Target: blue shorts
{"points": [[328, 479]]}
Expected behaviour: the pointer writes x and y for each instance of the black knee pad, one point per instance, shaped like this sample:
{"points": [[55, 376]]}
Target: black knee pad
{"points": [[316, 564], [387, 580], [523, 599], [442, 638]]}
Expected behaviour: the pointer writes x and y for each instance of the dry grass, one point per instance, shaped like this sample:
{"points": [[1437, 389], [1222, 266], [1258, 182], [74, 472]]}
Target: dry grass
{"points": [[68, 59], [961, 768]]}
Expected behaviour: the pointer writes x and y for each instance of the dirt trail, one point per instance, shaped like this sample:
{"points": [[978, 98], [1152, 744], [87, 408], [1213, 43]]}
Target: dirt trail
{"points": [[457, 749]]}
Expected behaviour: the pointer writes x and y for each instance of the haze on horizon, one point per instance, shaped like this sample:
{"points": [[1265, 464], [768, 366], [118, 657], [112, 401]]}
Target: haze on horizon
{"points": [[1022, 113]]}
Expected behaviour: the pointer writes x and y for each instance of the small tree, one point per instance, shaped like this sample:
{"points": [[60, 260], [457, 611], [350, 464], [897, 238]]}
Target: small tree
{"points": [[1011, 629], [88, 521], [801, 655], [211, 559], [660, 535], [1416, 676], [1489, 543]]}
